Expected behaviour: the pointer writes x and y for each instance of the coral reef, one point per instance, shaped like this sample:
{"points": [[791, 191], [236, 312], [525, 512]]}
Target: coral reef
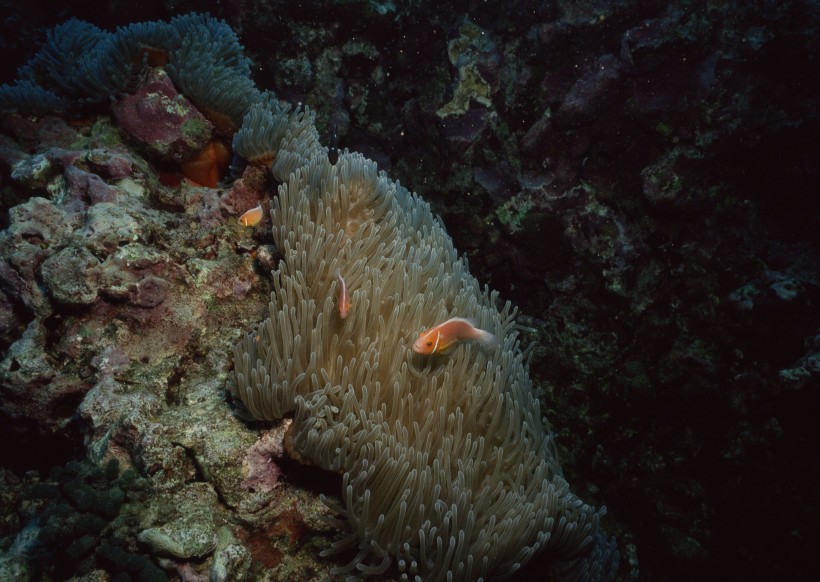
{"points": [[638, 177], [74, 521], [125, 319], [116, 287]]}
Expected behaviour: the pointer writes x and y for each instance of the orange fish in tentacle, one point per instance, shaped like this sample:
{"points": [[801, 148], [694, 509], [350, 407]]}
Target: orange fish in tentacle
{"points": [[344, 295], [445, 336]]}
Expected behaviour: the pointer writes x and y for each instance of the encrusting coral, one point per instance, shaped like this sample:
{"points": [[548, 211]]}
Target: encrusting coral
{"points": [[449, 471]]}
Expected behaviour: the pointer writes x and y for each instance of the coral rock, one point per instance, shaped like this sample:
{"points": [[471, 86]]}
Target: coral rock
{"points": [[244, 192], [109, 164], [71, 276], [592, 92], [232, 561], [39, 222], [180, 540], [89, 187], [37, 226], [150, 292], [109, 226], [34, 171], [462, 131], [45, 131], [164, 123], [34, 390]]}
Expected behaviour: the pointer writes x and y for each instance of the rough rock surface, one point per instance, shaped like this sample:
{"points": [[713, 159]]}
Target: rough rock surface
{"points": [[120, 314], [164, 124]]}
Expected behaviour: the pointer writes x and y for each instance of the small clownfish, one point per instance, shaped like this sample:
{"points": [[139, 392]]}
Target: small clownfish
{"points": [[344, 296], [251, 217], [445, 336]]}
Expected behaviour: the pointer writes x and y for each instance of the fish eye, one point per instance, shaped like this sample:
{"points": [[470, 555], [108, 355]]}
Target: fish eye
{"points": [[429, 344]]}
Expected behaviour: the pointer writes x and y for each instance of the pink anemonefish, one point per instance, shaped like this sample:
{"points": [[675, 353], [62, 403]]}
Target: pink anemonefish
{"points": [[445, 336], [251, 217], [344, 296]]}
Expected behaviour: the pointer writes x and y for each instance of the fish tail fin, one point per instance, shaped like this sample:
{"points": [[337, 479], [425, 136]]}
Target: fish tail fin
{"points": [[487, 340]]}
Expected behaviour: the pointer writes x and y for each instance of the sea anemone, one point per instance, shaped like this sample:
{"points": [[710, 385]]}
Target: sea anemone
{"points": [[210, 68], [27, 96], [267, 124], [449, 472], [82, 63]]}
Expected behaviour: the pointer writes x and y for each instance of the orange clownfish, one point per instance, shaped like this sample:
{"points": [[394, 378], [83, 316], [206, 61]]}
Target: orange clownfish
{"points": [[251, 217], [344, 296], [443, 337]]}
